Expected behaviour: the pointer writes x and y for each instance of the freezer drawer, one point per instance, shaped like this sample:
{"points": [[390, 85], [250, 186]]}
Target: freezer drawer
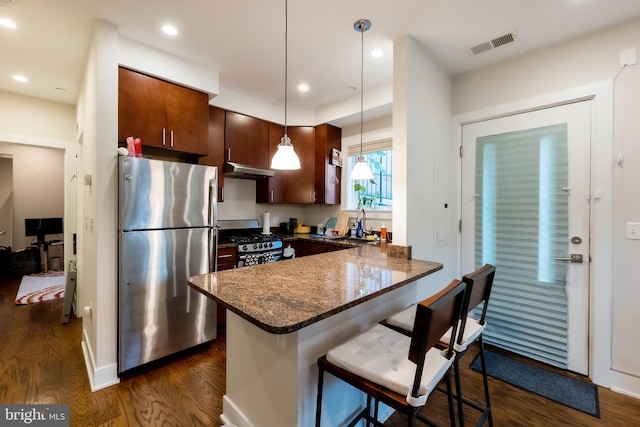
{"points": [[158, 313]]}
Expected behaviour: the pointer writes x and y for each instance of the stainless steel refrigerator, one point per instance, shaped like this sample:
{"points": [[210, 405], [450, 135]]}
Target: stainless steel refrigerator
{"points": [[167, 232]]}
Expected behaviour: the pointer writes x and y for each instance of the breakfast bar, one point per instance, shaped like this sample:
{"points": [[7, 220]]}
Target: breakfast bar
{"points": [[282, 316]]}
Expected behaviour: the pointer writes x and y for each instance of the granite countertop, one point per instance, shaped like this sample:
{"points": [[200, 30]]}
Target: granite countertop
{"points": [[285, 296], [347, 242]]}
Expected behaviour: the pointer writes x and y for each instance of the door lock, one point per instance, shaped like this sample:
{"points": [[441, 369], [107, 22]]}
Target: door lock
{"points": [[576, 258]]}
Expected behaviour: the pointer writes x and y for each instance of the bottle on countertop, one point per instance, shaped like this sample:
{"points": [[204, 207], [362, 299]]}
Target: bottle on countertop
{"points": [[383, 232], [359, 229], [353, 230]]}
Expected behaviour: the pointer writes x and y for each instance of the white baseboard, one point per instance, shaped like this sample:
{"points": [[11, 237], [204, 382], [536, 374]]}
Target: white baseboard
{"points": [[625, 384], [98, 378], [231, 414]]}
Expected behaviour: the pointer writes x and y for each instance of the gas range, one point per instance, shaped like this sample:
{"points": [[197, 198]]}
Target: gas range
{"points": [[254, 247], [256, 243]]}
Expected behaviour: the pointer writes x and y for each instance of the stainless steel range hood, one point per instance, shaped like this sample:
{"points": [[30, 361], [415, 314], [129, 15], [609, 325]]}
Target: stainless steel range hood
{"points": [[237, 170]]}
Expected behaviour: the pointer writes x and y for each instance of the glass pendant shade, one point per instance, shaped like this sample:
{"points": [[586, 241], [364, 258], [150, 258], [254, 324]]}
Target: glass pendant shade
{"points": [[361, 169], [285, 158]]}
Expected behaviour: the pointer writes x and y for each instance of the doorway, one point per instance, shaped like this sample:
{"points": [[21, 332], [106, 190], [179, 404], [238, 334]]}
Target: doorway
{"points": [[6, 200], [526, 208]]}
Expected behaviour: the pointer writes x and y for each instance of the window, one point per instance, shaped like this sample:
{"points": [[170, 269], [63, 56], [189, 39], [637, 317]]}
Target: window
{"points": [[376, 193]]}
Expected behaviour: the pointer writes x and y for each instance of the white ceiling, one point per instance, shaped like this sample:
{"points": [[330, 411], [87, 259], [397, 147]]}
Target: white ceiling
{"points": [[244, 39]]}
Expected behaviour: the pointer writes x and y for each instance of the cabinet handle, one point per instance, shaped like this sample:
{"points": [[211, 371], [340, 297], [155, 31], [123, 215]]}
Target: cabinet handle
{"points": [[164, 137], [272, 195], [228, 154], [225, 256], [171, 139], [221, 194]]}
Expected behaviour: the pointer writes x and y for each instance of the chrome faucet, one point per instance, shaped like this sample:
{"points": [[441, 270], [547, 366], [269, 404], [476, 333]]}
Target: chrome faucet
{"points": [[364, 221]]}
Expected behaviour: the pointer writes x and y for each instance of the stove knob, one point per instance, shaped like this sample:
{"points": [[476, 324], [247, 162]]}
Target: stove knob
{"points": [[255, 246], [244, 248], [270, 244], [259, 245]]}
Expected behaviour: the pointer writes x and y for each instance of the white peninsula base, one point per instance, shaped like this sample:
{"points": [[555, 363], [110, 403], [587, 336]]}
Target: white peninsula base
{"points": [[272, 379]]}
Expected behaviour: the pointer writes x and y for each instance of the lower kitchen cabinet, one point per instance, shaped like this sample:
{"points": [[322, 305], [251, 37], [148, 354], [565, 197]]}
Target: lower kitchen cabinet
{"points": [[227, 260], [307, 248]]}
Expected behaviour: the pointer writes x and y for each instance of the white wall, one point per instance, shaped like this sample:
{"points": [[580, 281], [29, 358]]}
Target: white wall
{"points": [[421, 135], [582, 61], [97, 238], [33, 122], [38, 186]]}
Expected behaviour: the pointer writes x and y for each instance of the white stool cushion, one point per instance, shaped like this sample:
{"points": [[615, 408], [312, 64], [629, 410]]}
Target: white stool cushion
{"points": [[404, 319], [380, 355], [472, 329]]}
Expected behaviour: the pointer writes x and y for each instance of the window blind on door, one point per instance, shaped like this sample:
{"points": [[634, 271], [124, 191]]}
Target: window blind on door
{"points": [[521, 226]]}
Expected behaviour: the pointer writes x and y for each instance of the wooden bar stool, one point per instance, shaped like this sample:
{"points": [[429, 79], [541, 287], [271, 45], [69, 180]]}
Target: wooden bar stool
{"points": [[395, 369], [479, 284]]}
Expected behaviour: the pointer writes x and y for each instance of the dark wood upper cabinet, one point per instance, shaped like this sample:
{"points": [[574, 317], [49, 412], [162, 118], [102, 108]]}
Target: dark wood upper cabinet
{"points": [[300, 183], [317, 181], [327, 176], [273, 189], [246, 140], [215, 156], [161, 114]]}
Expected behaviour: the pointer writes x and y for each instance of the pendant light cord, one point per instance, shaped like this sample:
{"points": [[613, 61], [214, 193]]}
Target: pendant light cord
{"points": [[286, 60], [361, 89]]}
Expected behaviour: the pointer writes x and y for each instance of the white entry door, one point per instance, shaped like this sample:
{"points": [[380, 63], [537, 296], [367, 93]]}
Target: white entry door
{"points": [[525, 208]]}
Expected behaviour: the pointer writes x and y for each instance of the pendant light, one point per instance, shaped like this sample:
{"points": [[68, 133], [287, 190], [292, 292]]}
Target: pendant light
{"points": [[285, 157], [361, 169]]}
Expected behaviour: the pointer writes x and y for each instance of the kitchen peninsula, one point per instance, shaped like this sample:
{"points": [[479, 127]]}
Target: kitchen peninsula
{"points": [[282, 316]]}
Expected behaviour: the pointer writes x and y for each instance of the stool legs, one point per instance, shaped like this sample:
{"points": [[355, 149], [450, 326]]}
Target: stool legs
{"points": [[319, 397], [485, 382]]}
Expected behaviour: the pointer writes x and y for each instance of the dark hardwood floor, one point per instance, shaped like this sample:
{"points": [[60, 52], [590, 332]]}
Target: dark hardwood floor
{"points": [[41, 362]]}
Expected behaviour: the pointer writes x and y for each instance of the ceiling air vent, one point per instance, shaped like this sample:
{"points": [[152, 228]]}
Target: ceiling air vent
{"points": [[492, 44]]}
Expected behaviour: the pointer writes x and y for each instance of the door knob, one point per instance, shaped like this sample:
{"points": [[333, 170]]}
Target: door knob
{"points": [[577, 258]]}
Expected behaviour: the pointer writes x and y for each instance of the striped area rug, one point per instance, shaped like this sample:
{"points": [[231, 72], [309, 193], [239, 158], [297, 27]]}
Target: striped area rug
{"points": [[41, 287]]}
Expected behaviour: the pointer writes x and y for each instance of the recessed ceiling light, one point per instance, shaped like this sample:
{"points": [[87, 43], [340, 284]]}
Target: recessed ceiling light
{"points": [[377, 53], [303, 87], [20, 78], [8, 23], [170, 29]]}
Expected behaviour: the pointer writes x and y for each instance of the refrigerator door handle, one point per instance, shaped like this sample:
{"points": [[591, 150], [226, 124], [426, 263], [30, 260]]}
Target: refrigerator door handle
{"points": [[213, 222]]}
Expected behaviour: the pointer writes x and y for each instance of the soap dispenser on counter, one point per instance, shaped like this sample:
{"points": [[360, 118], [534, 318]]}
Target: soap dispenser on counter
{"points": [[359, 230]]}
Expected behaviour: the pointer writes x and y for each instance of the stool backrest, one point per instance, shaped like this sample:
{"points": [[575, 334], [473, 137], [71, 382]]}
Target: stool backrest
{"points": [[434, 316], [479, 284]]}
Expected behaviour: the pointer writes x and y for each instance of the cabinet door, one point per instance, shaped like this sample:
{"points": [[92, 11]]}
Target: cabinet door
{"points": [[247, 140], [215, 156], [300, 247], [300, 183], [141, 108], [327, 176], [187, 119], [272, 190], [227, 258]]}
